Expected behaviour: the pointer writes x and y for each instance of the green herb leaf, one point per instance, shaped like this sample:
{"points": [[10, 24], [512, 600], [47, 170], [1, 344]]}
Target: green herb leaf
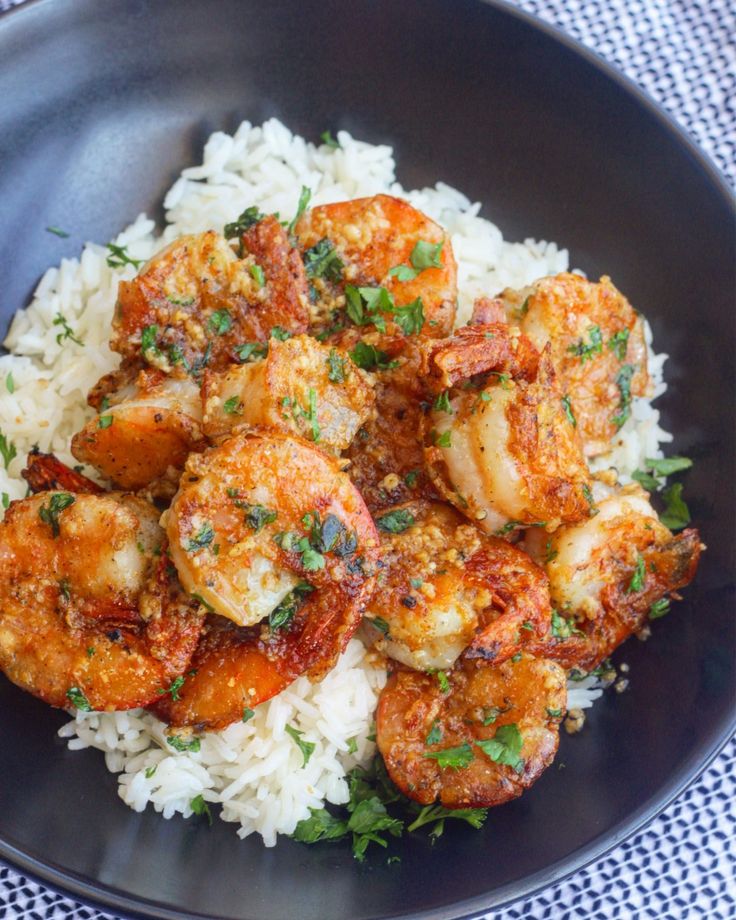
{"points": [[444, 439], [666, 466], [395, 521], [437, 815], [639, 576], [233, 406], [563, 628], [117, 257], [10, 383], [151, 770], [7, 450], [568, 411], [403, 272], [426, 255], [352, 745], [676, 514], [148, 341], [435, 733], [306, 747], [505, 746], [247, 714], [335, 367], [646, 480], [247, 219], [323, 261], [57, 231], [659, 608], [173, 689], [380, 624], [204, 536], [623, 382], [181, 744], [257, 274], [588, 495], [301, 207], [410, 317], [5, 500], [442, 680], [283, 614], [456, 758], [585, 351], [368, 822], [66, 330], [250, 351], [328, 140], [320, 825], [442, 402], [49, 513], [368, 357], [618, 343], [104, 421], [257, 516], [411, 478], [78, 699], [220, 322], [200, 807]]}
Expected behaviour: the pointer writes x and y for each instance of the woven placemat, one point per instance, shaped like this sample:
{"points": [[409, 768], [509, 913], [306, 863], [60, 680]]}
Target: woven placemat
{"points": [[683, 866]]}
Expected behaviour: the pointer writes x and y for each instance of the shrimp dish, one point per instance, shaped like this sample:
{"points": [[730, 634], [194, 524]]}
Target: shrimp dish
{"points": [[321, 484]]}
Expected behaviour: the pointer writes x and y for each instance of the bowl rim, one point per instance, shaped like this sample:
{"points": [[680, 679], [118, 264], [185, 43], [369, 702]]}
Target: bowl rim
{"points": [[105, 898]]}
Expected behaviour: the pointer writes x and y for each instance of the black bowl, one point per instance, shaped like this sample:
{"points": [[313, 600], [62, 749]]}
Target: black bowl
{"points": [[102, 104]]}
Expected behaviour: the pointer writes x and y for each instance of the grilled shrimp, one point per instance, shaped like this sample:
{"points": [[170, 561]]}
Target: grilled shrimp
{"points": [[373, 243], [89, 613], [476, 741], [598, 348], [447, 587], [302, 387], [145, 429], [267, 526], [45, 473], [196, 302], [606, 573], [499, 444]]}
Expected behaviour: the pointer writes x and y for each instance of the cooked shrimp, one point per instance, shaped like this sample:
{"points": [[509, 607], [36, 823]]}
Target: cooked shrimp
{"points": [[606, 573], [598, 348], [302, 386], [196, 302], [257, 515], [501, 448], [45, 473], [89, 615], [446, 586], [477, 741], [374, 243], [144, 431]]}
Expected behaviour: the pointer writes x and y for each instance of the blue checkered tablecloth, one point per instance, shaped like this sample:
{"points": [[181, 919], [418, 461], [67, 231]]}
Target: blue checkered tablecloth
{"points": [[683, 865]]}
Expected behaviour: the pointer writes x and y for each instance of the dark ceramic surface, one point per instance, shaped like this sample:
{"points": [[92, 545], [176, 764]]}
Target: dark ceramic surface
{"points": [[102, 103]]}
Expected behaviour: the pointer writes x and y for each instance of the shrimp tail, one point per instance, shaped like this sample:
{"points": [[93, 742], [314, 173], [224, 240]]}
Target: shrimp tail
{"points": [[45, 473]]}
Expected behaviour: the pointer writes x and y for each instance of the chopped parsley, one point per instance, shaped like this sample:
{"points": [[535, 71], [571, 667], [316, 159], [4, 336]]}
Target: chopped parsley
{"points": [[247, 219], [306, 747], [585, 350], [442, 402], [660, 467], [435, 733], [220, 322], [568, 411], [148, 341], [368, 357], [233, 406], [250, 351], [618, 344], [623, 382], [49, 514], [410, 317], [443, 439], [151, 770], [57, 231], [676, 514], [329, 141], [442, 680], [563, 628], [66, 330], [173, 689], [380, 624], [203, 538], [104, 421], [395, 521], [455, 758], [588, 495], [181, 744], [311, 415], [257, 275], [10, 383], [438, 814], [365, 305], [505, 746], [247, 714], [352, 745], [283, 614], [7, 450], [257, 516], [304, 197], [200, 807], [335, 367], [78, 699], [117, 257], [323, 261], [639, 576], [423, 255], [5, 500], [659, 608], [411, 478], [277, 332]]}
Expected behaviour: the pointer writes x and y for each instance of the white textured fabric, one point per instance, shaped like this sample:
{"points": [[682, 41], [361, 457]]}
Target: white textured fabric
{"points": [[683, 866]]}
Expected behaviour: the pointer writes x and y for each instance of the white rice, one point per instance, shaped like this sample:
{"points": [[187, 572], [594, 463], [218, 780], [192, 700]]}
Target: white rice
{"points": [[253, 770]]}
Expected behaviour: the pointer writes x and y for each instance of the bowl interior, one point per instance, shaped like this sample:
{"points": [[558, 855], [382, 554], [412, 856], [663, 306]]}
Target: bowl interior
{"points": [[103, 105]]}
